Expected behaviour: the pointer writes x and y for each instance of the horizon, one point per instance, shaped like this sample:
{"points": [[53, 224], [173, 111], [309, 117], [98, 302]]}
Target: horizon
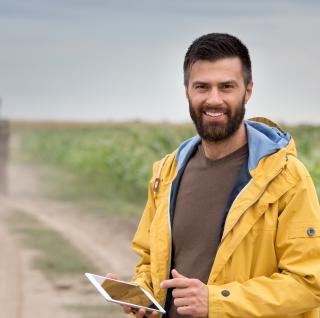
{"points": [[104, 123]]}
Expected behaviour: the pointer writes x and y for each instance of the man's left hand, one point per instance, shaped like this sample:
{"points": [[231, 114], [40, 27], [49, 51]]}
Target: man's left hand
{"points": [[190, 294]]}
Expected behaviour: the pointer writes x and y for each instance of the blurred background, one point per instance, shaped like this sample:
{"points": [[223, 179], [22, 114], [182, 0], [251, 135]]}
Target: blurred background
{"points": [[91, 94]]}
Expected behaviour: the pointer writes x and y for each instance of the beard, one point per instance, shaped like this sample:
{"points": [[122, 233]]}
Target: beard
{"points": [[213, 132]]}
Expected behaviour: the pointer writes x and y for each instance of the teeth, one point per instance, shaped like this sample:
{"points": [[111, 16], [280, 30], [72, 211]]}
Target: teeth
{"points": [[214, 114]]}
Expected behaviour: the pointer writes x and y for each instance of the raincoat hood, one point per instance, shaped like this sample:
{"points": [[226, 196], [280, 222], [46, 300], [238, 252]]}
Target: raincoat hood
{"points": [[264, 138]]}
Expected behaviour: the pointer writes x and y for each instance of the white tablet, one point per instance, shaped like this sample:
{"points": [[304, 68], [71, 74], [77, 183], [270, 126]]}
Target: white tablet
{"points": [[124, 293]]}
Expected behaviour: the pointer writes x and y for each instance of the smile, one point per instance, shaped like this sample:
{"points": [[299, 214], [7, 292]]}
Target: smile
{"points": [[214, 114]]}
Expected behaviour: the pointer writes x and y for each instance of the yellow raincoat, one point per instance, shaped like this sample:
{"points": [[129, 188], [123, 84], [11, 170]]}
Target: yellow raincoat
{"points": [[268, 262]]}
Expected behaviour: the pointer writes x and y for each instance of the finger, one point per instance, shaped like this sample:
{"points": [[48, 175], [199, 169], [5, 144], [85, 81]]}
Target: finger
{"points": [[175, 283], [179, 302], [184, 310], [176, 274], [181, 293], [112, 276], [141, 313], [127, 309], [152, 314]]}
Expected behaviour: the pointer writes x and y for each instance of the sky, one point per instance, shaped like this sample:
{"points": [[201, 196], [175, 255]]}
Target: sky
{"points": [[99, 60]]}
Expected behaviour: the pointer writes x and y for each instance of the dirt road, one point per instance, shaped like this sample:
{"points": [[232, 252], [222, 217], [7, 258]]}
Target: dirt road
{"points": [[105, 241]]}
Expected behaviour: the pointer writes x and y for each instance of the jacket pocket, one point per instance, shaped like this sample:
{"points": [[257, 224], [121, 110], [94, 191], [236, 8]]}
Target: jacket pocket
{"points": [[304, 231]]}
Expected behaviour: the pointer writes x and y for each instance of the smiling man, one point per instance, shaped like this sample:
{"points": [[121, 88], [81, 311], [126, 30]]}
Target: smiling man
{"points": [[231, 227]]}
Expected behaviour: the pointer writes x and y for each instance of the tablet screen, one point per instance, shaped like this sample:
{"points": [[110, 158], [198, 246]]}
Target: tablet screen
{"points": [[122, 293], [127, 293]]}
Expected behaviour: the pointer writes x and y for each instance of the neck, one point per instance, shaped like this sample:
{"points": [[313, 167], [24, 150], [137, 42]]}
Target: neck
{"points": [[219, 149]]}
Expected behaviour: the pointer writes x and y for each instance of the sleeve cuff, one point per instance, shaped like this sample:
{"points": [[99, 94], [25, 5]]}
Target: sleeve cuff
{"points": [[216, 298]]}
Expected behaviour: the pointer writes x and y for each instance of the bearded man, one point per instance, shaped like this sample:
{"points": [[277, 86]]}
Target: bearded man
{"points": [[231, 227]]}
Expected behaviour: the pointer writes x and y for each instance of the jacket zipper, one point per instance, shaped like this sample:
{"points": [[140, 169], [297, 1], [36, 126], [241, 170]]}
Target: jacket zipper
{"points": [[233, 205], [259, 196], [255, 201]]}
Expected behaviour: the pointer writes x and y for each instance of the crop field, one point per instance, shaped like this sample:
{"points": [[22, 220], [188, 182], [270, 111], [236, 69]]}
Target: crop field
{"points": [[107, 166]]}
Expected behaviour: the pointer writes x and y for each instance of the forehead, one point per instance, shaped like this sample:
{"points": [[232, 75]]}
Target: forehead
{"points": [[220, 70]]}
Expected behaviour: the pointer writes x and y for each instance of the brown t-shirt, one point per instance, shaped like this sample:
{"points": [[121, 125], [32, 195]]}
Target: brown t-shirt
{"points": [[199, 212]]}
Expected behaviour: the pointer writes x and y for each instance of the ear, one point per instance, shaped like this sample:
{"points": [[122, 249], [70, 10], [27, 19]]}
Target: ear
{"points": [[248, 92]]}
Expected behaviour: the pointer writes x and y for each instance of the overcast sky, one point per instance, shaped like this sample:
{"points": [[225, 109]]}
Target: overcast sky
{"points": [[122, 60]]}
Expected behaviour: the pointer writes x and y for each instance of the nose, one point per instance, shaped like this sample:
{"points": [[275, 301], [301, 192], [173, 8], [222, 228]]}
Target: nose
{"points": [[214, 97]]}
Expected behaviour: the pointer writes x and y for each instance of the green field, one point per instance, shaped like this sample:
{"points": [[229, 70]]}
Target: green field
{"points": [[108, 166]]}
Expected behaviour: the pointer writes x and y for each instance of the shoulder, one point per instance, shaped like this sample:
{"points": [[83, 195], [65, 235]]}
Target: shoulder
{"points": [[302, 189], [295, 169], [164, 164]]}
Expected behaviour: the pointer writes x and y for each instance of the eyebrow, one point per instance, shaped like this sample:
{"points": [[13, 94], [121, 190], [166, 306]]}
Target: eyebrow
{"points": [[199, 83], [221, 83]]}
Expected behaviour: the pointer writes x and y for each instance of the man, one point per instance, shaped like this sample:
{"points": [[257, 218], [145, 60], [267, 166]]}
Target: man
{"points": [[231, 227]]}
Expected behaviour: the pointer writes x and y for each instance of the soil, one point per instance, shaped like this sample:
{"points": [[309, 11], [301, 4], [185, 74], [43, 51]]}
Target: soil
{"points": [[105, 240]]}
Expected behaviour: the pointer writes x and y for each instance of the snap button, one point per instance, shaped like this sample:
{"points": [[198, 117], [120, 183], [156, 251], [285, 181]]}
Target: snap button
{"points": [[225, 293], [311, 231]]}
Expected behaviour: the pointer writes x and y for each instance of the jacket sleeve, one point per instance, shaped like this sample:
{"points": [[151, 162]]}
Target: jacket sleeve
{"points": [[141, 243], [295, 288]]}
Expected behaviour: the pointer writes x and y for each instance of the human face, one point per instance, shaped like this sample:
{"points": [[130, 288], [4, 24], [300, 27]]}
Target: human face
{"points": [[217, 96]]}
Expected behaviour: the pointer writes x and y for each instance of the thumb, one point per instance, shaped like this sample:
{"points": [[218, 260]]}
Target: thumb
{"points": [[112, 276], [176, 274]]}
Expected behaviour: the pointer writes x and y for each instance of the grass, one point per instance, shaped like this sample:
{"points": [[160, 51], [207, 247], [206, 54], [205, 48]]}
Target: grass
{"points": [[308, 146], [107, 167], [55, 255]]}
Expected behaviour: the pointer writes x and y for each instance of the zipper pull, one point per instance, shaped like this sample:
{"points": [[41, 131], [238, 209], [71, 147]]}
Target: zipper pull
{"points": [[156, 185], [157, 180]]}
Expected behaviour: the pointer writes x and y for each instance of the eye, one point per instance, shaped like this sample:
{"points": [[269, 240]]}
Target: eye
{"points": [[227, 86], [201, 86]]}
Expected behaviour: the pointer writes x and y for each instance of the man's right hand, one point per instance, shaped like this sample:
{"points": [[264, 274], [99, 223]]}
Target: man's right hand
{"points": [[141, 313]]}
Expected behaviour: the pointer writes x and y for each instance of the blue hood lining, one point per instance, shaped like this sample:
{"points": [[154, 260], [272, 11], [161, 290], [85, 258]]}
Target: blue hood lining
{"points": [[263, 140]]}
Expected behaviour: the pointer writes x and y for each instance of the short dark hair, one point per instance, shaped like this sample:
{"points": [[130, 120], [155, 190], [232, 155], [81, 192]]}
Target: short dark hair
{"points": [[216, 46]]}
